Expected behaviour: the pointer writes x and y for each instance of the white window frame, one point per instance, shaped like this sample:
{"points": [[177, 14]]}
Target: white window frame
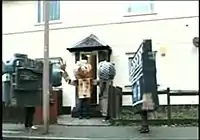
{"points": [[130, 58], [129, 55], [149, 11], [42, 14]]}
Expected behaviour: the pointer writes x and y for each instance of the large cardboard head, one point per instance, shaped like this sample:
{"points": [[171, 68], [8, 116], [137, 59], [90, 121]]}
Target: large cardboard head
{"points": [[82, 70], [106, 70]]}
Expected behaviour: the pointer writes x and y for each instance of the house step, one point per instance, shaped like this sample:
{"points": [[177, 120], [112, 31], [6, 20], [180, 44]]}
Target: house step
{"points": [[94, 111], [67, 120]]}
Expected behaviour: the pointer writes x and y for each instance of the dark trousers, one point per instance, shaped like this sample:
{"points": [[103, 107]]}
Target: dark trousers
{"points": [[144, 117], [29, 115], [84, 107]]}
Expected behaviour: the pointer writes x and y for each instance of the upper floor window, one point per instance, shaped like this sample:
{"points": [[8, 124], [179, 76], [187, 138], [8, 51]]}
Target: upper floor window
{"points": [[54, 11], [140, 7]]}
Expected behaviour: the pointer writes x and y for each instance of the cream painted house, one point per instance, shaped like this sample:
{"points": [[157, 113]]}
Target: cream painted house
{"points": [[122, 26]]}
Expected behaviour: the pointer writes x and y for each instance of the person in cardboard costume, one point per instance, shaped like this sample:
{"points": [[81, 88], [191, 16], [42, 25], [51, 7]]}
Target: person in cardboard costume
{"points": [[84, 83], [106, 74]]}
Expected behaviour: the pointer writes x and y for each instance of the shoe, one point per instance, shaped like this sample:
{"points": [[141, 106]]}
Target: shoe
{"points": [[140, 129], [80, 117], [107, 118], [103, 120], [34, 127], [144, 130], [87, 117]]}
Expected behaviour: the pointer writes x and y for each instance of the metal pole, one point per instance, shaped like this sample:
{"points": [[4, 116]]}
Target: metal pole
{"points": [[46, 68]]}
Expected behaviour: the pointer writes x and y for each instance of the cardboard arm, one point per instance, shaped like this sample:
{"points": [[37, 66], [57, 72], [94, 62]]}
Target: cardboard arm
{"points": [[65, 76], [73, 82]]}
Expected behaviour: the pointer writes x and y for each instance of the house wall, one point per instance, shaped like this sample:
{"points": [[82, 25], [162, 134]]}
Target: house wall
{"points": [[172, 29]]}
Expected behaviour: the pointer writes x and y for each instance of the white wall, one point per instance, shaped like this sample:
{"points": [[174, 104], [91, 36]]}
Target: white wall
{"points": [[179, 69], [22, 15]]}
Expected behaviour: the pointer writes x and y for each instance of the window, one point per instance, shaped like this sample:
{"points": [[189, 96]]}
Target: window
{"points": [[54, 11], [140, 7], [129, 64]]}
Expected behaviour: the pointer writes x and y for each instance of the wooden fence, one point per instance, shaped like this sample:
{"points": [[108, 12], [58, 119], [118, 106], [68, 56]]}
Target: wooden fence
{"points": [[169, 120], [170, 94]]}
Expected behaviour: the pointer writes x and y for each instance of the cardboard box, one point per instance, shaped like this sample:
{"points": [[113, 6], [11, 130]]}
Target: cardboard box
{"points": [[84, 88]]}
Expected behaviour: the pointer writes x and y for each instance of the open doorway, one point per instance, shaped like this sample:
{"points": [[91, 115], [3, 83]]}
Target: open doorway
{"points": [[94, 51]]}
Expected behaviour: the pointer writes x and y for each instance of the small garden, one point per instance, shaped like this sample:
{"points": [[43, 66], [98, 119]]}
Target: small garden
{"points": [[180, 115]]}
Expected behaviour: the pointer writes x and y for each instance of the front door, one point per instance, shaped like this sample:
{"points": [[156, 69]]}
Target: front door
{"points": [[94, 59]]}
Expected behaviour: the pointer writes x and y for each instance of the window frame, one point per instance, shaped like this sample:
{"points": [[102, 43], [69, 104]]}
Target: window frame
{"points": [[129, 57], [40, 13], [151, 10]]}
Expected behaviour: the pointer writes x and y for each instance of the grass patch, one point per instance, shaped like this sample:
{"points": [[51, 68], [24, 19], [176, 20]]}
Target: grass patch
{"points": [[180, 115]]}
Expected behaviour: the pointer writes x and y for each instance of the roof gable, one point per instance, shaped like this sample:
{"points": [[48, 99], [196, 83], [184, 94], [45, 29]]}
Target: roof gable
{"points": [[89, 43]]}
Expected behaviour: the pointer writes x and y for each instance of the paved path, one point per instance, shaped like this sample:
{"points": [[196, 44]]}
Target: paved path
{"points": [[69, 121], [13, 131]]}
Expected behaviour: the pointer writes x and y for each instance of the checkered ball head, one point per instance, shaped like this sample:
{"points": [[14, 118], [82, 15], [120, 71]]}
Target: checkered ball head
{"points": [[106, 70]]}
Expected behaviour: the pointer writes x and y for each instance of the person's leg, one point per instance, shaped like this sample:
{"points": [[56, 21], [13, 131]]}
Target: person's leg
{"points": [[102, 86], [106, 101], [31, 117], [105, 109], [26, 117], [87, 108], [84, 109], [145, 126], [80, 108]]}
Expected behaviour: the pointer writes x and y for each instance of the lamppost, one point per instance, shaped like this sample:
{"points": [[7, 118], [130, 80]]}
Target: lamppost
{"points": [[46, 68]]}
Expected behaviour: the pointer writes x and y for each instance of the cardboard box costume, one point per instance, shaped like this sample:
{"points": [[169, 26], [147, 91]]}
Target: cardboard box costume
{"points": [[106, 73], [83, 80], [84, 88]]}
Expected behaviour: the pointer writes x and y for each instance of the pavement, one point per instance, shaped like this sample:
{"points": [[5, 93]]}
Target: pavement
{"points": [[62, 132], [69, 121]]}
